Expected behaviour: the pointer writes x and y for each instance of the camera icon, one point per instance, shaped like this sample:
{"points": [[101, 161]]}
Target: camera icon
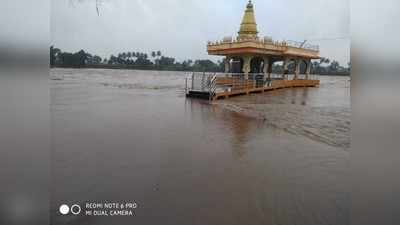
{"points": [[74, 209], [64, 209]]}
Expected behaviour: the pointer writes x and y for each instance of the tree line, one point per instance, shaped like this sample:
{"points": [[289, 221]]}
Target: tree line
{"points": [[325, 66], [155, 60], [130, 60]]}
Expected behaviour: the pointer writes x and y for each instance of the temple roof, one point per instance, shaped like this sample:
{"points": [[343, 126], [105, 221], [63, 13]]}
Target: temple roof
{"points": [[248, 43], [248, 27]]}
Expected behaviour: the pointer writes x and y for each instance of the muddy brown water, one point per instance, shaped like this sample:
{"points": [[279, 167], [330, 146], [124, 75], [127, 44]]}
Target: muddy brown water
{"points": [[278, 158]]}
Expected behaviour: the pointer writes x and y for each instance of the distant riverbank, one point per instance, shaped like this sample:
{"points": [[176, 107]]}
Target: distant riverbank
{"points": [[158, 62], [151, 68]]}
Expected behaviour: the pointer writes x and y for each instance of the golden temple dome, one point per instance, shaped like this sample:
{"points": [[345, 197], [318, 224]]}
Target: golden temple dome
{"points": [[248, 27]]}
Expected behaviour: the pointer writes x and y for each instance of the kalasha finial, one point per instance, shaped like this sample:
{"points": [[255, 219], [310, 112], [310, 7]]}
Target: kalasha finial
{"points": [[250, 4]]}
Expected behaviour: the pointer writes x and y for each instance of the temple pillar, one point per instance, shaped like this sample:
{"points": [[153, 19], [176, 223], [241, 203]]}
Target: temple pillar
{"points": [[227, 64], [271, 63], [308, 69], [266, 68], [285, 67], [297, 69], [246, 66]]}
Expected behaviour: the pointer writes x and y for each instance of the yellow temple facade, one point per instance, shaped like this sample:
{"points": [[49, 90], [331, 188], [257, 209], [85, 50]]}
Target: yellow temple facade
{"points": [[249, 60], [256, 55]]}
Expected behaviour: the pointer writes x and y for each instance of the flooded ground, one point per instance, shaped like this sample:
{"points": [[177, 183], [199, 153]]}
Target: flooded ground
{"points": [[278, 158], [321, 114]]}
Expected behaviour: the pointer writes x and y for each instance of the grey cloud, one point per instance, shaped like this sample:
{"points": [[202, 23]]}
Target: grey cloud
{"points": [[182, 28]]}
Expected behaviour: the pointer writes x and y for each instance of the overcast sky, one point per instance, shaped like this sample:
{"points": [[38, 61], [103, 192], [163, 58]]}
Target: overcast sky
{"points": [[181, 28]]}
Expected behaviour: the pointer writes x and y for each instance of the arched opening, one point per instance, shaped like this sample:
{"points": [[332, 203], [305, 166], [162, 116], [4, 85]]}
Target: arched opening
{"points": [[291, 66], [236, 65], [256, 71], [277, 67], [295, 64], [256, 65], [303, 66]]}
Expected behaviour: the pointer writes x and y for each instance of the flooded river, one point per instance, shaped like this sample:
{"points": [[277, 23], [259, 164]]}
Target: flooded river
{"points": [[277, 158]]}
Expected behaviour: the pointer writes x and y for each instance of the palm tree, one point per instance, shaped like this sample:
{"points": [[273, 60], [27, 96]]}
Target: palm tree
{"points": [[326, 60], [334, 66]]}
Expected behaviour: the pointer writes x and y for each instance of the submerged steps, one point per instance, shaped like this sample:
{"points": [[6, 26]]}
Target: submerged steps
{"points": [[198, 94]]}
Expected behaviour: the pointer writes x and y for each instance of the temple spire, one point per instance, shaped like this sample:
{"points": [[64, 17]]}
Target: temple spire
{"points": [[248, 27]]}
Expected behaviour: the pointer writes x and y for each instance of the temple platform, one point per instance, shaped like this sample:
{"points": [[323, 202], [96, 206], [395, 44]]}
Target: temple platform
{"points": [[250, 62], [212, 87], [275, 86]]}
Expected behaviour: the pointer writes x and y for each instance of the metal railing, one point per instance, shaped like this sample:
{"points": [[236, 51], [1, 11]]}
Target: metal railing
{"points": [[302, 45], [199, 81], [212, 83], [284, 43], [213, 86]]}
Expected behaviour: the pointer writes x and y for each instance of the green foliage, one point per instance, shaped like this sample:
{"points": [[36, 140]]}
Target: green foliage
{"points": [[332, 67], [206, 65], [54, 55], [77, 59], [131, 60], [140, 60]]}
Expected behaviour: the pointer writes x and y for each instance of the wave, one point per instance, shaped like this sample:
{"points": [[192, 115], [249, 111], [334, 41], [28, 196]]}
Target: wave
{"points": [[330, 126], [142, 86]]}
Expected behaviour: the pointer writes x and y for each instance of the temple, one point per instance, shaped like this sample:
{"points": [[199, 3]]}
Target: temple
{"points": [[249, 60]]}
